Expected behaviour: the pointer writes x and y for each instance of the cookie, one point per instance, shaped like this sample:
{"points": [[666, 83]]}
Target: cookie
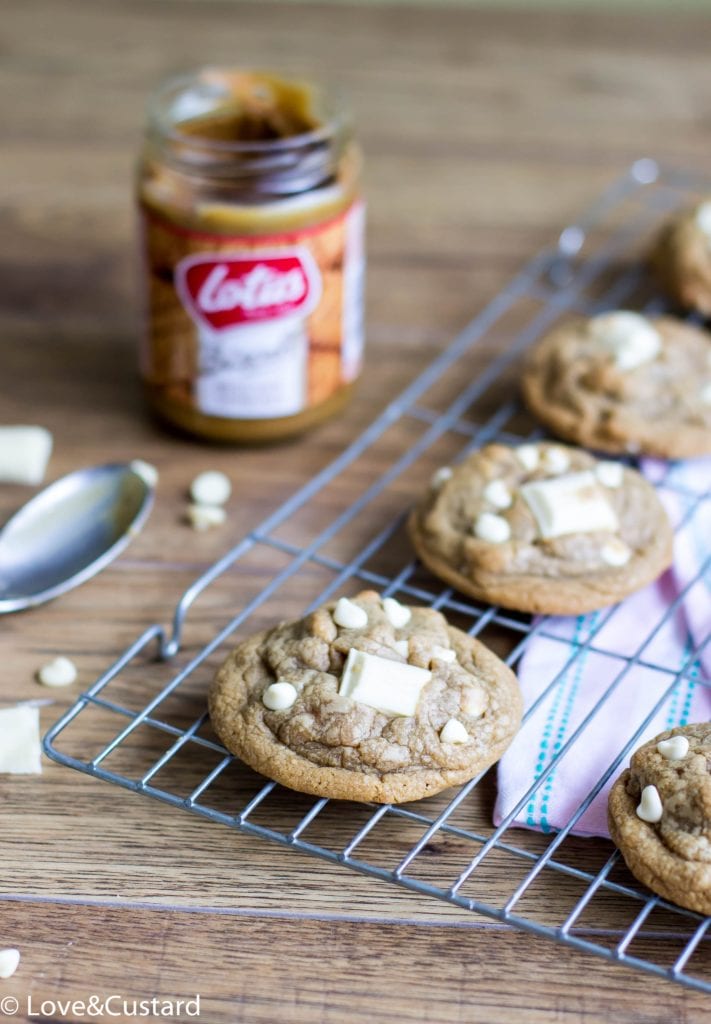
{"points": [[542, 528], [682, 258], [659, 814], [621, 382], [366, 699]]}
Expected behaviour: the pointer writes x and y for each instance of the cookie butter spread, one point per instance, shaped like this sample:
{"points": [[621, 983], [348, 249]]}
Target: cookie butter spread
{"points": [[252, 229]]}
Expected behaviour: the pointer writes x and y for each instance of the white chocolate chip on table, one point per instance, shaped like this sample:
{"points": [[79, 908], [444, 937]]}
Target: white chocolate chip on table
{"points": [[9, 962], [20, 741], [24, 454], [674, 749], [210, 488], [349, 615], [392, 687], [59, 672], [205, 517], [650, 807]]}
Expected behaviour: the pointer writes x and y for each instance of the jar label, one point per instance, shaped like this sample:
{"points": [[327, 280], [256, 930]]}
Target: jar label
{"points": [[254, 327]]}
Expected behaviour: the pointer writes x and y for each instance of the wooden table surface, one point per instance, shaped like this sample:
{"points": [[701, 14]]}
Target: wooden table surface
{"points": [[485, 132]]}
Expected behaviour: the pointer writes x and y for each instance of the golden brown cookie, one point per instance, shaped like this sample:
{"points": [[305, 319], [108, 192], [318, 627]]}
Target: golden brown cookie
{"points": [[542, 528], [682, 257], [621, 382], [659, 814], [366, 699]]}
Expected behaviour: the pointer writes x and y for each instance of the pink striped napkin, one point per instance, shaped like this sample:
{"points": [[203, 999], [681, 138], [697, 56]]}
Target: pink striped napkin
{"points": [[577, 667]]}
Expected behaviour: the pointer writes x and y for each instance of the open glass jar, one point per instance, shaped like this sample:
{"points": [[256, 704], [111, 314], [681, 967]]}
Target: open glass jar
{"points": [[252, 233]]}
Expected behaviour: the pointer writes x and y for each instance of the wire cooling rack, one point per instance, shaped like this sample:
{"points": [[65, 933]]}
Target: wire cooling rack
{"points": [[559, 886]]}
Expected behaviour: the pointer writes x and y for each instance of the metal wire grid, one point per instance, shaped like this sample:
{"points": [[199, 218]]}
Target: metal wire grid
{"points": [[560, 280]]}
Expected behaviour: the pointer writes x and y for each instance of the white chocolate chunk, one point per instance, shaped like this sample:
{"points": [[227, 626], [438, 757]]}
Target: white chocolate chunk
{"points": [[349, 615], [60, 672], [402, 647], [453, 732], [556, 460], [706, 394], [615, 552], [610, 474], [204, 517], [630, 338], [210, 488], [569, 504], [392, 687], [473, 701], [9, 962], [674, 749], [443, 654], [528, 455], [398, 615], [650, 806], [491, 528], [24, 454], [440, 477], [147, 472], [279, 696], [20, 741], [497, 494], [703, 218]]}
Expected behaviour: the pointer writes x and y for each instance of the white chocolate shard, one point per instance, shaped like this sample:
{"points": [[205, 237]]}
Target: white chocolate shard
{"points": [[24, 454], [204, 517], [610, 474], [279, 696], [147, 472], [440, 477], [556, 460], [453, 732], [650, 806], [210, 488], [60, 672], [492, 528], [398, 615], [9, 962], [473, 701], [349, 615], [631, 339], [615, 552], [528, 455], [392, 687], [674, 749], [497, 494], [20, 741], [443, 654], [569, 504], [703, 218]]}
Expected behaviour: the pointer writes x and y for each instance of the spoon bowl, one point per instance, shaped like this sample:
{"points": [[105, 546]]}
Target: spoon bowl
{"points": [[71, 530]]}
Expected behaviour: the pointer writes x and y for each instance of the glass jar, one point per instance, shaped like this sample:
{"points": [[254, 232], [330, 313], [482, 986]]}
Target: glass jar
{"points": [[252, 233]]}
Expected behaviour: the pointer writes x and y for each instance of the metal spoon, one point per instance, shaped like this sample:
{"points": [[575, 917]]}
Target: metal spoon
{"points": [[71, 530]]}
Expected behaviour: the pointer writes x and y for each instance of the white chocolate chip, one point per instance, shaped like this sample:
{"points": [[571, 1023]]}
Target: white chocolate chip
{"points": [[392, 687], [473, 701], [650, 806], [497, 494], [210, 488], [528, 455], [440, 477], [556, 460], [615, 552], [402, 647], [453, 732], [443, 654], [147, 472], [630, 338], [703, 218], [491, 528], [20, 740], [204, 517], [60, 672], [610, 474], [24, 454], [674, 749], [398, 615], [569, 504], [706, 394], [9, 962], [279, 696], [349, 615]]}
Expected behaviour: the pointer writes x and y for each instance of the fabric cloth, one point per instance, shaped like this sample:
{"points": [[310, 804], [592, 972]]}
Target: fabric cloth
{"points": [[619, 667]]}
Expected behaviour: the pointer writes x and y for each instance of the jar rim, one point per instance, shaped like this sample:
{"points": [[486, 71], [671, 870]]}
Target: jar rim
{"points": [[159, 118]]}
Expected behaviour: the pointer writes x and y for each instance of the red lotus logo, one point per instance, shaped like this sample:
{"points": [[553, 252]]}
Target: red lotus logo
{"points": [[221, 291]]}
